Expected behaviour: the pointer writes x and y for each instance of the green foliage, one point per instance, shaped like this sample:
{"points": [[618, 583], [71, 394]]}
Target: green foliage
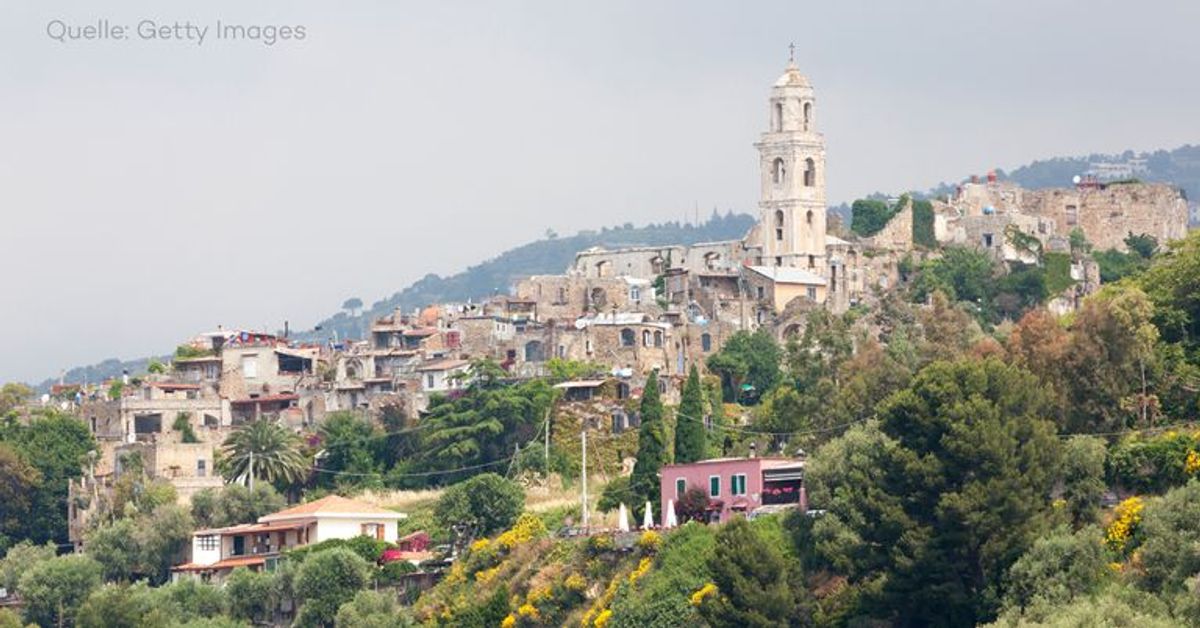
{"points": [[868, 216], [614, 494], [1115, 265], [9, 619], [1170, 553], [156, 367], [19, 482], [54, 589], [482, 505], [233, 504], [56, 445], [252, 595], [19, 559], [115, 548], [351, 445], [923, 224], [755, 584], [1083, 477], [371, 609], [962, 273], [1143, 245], [1058, 273], [1079, 242], [1057, 570], [562, 370], [747, 359], [267, 451], [690, 433], [183, 425], [325, 581], [188, 352], [368, 548], [1173, 285], [661, 597], [1152, 463], [652, 445], [116, 389], [482, 426]]}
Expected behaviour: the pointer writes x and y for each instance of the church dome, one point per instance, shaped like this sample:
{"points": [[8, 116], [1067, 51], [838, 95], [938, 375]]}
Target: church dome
{"points": [[792, 78]]}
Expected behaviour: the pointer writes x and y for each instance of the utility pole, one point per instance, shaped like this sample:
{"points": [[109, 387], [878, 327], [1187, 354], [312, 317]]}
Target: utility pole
{"points": [[546, 449], [583, 434]]}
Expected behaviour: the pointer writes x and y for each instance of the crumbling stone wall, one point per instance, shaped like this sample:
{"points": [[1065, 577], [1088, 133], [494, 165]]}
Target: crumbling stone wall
{"points": [[1107, 215]]}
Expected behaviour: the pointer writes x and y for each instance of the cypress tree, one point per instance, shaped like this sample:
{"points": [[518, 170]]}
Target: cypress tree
{"points": [[690, 434], [652, 445]]}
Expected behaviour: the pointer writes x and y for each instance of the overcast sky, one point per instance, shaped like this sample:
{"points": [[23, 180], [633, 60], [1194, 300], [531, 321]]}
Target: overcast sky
{"points": [[150, 190]]}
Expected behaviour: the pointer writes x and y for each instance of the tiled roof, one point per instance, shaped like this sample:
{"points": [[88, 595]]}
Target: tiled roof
{"points": [[330, 505]]}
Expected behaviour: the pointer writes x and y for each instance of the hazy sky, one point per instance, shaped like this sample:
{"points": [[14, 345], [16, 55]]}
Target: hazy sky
{"points": [[150, 190]]}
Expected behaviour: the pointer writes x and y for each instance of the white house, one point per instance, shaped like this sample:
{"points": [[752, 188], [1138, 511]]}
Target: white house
{"points": [[218, 551]]}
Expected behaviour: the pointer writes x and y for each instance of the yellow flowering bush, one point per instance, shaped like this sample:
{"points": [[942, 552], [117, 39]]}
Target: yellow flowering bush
{"points": [[649, 542], [528, 610], [642, 568], [508, 621], [1192, 464], [1124, 525], [480, 545], [487, 575], [703, 593], [527, 528], [540, 594], [603, 618], [575, 582]]}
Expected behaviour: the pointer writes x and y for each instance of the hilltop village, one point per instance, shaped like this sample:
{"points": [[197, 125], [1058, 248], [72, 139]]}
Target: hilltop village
{"points": [[521, 381]]}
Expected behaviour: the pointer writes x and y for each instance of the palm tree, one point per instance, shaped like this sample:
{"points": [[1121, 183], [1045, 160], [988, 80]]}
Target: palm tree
{"points": [[265, 450]]}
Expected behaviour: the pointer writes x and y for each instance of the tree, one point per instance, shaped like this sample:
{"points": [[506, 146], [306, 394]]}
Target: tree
{"points": [[325, 581], [754, 581], [690, 432], [19, 482], [53, 590], [747, 359], [251, 595], [652, 445], [1057, 570], [20, 559], [482, 505], [868, 216], [352, 305], [115, 547], [351, 445], [57, 446], [1143, 245], [1170, 553], [975, 463], [265, 450], [1083, 477], [163, 536], [615, 493], [371, 609], [119, 605], [12, 395], [1173, 284], [234, 504]]}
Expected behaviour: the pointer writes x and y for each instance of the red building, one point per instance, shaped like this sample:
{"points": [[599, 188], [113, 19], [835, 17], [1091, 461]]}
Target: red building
{"points": [[736, 485]]}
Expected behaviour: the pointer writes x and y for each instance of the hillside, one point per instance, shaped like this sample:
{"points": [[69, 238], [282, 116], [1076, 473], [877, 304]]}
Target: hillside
{"points": [[546, 256]]}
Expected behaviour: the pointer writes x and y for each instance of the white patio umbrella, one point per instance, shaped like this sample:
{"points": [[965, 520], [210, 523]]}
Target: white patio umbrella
{"points": [[648, 520], [623, 519], [671, 521]]}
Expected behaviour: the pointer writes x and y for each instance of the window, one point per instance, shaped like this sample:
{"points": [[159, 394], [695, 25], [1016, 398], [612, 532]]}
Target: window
{"points": [[807, 115], [208, 542], [201, 469], [762, 293], [587, 346], [778, 171], [635, 294], [658, 339], [1072, 214], [778, 121], [627, 337], [706, 342], [812, 261], [429, 380], [250, 366], [808, 217], [645, 337], [779, 234], [737, 484], [680, 487], [779, 261], [987, 240], [714, 486], [373, 530], [810, 173]]}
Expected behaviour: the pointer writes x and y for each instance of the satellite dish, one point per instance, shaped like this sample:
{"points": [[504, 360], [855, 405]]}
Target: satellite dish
{"points": [[1076, 179]]}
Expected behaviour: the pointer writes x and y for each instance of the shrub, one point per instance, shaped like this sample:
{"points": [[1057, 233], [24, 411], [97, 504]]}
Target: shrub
{"points": [[484, 504]]}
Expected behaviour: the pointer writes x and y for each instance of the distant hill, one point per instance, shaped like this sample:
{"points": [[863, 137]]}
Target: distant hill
{"points": [[547, 256]]}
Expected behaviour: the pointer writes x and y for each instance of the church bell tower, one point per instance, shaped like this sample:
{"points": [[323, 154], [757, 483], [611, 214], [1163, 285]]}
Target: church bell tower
{"points": [[792, 163]]}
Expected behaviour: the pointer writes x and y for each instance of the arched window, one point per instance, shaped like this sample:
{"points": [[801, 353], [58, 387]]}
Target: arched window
{"points": [[602, 268], [810, 172], [808, 217], [645, 337], [779, 224], [658, 338], [628, 338], [777, 123], [807, 115], [778, 171], [706, 342]]}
